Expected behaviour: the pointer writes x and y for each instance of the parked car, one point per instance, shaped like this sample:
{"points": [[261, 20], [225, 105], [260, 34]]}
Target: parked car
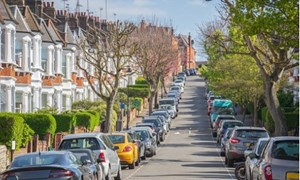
{"points": [[224, 140], [227, 124], [252, 156], [160, 129], [164, 113], [47, 165], [101, 145], [163, 120], [87, 157], [177, 88], [218, 120], [171, 109], [181, 74], [153, 127], [221, 107], [239, 140], [128, 151], [145, 135], [178, 82], [168, 101], [141, 146], [279, 159], [173, 95], [181, 78]]}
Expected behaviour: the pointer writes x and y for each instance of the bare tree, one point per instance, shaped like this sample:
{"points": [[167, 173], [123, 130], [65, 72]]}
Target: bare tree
{"points": [[155, 55], [110, 52]]}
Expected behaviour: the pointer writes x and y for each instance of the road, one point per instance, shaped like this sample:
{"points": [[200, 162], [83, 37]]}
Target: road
{"points": [[189, 151]]}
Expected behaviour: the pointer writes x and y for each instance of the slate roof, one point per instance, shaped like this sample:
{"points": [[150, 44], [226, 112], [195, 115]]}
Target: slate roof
{"points": [[5, 13], [21, 24]]}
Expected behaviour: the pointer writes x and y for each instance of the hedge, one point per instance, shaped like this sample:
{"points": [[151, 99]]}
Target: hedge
{"points": [[136, 92], [140, 80], [137, 103], [139, 86], [291, 117], [41, 123], [64, 122], [85, 119], [13, 127], [97, 117]]}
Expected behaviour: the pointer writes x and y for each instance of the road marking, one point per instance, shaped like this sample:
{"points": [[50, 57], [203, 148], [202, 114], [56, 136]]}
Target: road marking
{"points": [[130, 175]]}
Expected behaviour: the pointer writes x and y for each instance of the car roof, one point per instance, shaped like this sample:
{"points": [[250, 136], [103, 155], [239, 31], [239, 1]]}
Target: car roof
{"points": [[249, 128], [225, 115], [45, 153], [231, 120], [145, 124], [82, 135], [166, 98], [117, 133], [281, 138]]}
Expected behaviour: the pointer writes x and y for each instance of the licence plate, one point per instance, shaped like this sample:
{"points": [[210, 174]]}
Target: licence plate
{"points": [[292, 176]]}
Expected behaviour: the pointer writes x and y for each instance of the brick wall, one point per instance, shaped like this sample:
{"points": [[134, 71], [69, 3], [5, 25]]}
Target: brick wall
{"points": [[3, 158]]}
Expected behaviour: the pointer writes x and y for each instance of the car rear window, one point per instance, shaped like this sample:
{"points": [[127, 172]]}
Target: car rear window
{"points": [[80, 143], [142, 135], [36, 160], [250, 133], [117, 139], [231, 124], [286, 150]]}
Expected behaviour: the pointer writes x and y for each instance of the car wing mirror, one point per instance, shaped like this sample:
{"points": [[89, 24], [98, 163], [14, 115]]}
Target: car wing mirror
{"points": [[98, 160], [84, 163]]}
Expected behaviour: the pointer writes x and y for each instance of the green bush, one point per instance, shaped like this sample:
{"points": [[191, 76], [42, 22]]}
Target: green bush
{"points": [[26, 135], [285, 99], [136, 92], [64, 122], [140, 80], [139, 86], [292, 120], [85, 119], [97, 117], [289, 109], [41, 124], [11, 128], [84, 104]]}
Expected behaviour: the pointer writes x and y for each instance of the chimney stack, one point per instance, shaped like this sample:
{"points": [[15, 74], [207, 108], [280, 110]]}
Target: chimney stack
{"points": [[49, 9], [19, 3], [36, 6]]}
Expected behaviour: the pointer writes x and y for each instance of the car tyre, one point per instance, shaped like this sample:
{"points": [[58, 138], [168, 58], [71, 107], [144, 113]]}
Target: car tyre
{"points": [[230, 162], [137, 163], [131, 166], [222, 153], [119, 175]]}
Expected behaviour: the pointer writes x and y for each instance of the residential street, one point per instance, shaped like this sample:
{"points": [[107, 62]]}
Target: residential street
{"points": [[189, 151]]}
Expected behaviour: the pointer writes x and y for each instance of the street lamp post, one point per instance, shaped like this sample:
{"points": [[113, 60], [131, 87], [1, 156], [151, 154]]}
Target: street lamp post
{"points": [[128, 111]]}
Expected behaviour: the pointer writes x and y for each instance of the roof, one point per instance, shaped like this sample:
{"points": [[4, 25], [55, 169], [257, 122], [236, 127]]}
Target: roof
{"points": [[281, 138], [82, 135], [30, 19], [21, 24], [249, 128], [5, 12]]}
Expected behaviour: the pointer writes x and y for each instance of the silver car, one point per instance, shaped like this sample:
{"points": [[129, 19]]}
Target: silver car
{"points": [[224, 140], [253, 156], [279, 160], [101, 145], [240, 139]]}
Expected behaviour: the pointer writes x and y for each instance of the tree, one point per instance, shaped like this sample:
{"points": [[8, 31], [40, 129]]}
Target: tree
{"points": [[155, 56], [270, 31], [109, 52]]}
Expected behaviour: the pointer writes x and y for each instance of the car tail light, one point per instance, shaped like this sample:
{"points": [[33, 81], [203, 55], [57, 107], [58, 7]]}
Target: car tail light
{"points": [[234, 140], [127, 149], [61, 173], [101, 157], [268, 172]]}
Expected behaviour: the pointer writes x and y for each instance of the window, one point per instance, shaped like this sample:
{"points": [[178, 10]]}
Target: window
{"points": [[129, 138], [44, 100], [2, 32], [44, 59], [3, 98], [64, 66], [19, 104], [64, 102], [81, 143], [117, 139], [12, 46], [286, 149]]}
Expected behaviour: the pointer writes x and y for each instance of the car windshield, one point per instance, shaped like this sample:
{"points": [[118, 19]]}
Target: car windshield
{"points": [[152, 121], [38, 160], [250, 133], [166, 107], [261, 146], [117, 139], [160, 114], [80, 143], [142, 135], [175, 88], [223, 110], [286, 150], [178, 81]]}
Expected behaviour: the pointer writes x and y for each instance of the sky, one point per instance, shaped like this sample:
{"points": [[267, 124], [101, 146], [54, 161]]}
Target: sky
{"points": [[185, 16]]}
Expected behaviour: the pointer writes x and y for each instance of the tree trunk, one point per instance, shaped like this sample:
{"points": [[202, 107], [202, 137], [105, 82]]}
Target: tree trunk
{"points": [[255, 109], [156, 100], [273, 105], [108, 119], [244, 113], [151, 103]]}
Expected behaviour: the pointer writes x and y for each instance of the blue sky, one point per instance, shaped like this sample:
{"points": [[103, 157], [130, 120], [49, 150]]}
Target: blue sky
{"points": [[183, 15]]}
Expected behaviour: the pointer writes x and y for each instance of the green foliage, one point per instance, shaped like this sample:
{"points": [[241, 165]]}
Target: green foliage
{"points": [[86, 120], [47, 110], [84, 105], [203, 71], [137, 103], [64, 122], [292, 120], [116, 107], [97, 117], [141, 80], [41, 124], [11, 128], [26, 135], [136, 92], [122, 97], [285, 99], [139, 86]]}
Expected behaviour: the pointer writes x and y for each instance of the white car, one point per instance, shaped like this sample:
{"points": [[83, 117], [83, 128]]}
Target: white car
{"points": [[171, 109], [178, 88]]}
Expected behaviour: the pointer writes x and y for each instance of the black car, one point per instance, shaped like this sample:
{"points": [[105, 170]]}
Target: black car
{"points": [[153, 127], [47, 165], [159, 124], [87, 157], [146, 137]]}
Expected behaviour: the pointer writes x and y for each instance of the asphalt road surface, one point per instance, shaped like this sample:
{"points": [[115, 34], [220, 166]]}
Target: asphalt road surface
{"points": [[189, 151]]}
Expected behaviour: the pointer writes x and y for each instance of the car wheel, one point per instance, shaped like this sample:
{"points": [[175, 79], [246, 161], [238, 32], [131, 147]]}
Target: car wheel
{"points": [[222, 153], [214, 134], [108, 176], [131, 166], [229, 162], [144, 157], [119, 175], [137, 163]]}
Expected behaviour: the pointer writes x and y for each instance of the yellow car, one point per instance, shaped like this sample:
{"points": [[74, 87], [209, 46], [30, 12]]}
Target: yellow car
{"points": [[128, 150]]}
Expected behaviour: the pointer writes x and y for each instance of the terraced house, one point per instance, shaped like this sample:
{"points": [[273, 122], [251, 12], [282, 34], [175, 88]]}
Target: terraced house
{"points": [[38, 56]]}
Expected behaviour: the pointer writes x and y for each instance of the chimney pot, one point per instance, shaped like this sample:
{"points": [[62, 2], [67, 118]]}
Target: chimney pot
{"points": [[52, 4], [48, 4]]}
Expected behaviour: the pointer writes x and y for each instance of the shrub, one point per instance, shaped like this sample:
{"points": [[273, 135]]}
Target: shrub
{"points": [[26, 135], [97, 117], [64, 122], [11, 128], [41, 124], [136, 92], [84, 104], [85, 119], [285, 99], [139, 86], [292, 120], [140, 80], [137, 103]]}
